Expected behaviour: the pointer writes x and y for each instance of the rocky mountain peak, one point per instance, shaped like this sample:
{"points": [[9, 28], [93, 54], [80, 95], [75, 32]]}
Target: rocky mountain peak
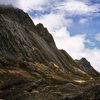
{"points": [[33, 68], [44, 33], [86, 66], [85, 62], [19, 36], [16, 15]]}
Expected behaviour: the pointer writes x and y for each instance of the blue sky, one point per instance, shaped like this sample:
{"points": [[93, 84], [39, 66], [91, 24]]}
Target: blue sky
{"points": [[90, 28], [74, 24]]}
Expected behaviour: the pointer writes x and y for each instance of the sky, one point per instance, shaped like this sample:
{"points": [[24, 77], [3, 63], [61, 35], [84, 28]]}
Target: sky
{"points": [[74, 24]]}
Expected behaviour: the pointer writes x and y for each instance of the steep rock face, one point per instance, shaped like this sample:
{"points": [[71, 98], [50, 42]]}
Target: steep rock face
{"points": [[43, 32], [86, 66], [31, 66], [20, 38]]}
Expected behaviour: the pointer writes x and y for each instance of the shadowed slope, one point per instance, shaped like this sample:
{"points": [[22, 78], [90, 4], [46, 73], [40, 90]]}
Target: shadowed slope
{"points": [[31, 66]]}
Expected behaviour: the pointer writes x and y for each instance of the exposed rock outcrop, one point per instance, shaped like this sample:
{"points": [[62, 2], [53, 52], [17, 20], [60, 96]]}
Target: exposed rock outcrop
{"points": [[86, 66], [31, 66]]}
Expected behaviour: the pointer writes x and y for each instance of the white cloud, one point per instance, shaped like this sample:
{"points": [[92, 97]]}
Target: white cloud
{"points": [[97, 37], [10, 2], [27, 5], [83, 20], [53, 21], [79, 8], [90, 42], [71, 7]]}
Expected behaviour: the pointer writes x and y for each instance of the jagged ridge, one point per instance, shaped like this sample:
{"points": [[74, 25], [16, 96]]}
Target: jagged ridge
{"points": [[30, 59]]}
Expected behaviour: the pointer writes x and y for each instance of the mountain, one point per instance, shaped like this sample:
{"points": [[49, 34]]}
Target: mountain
{"points": [[33, 68], [86, 66]]}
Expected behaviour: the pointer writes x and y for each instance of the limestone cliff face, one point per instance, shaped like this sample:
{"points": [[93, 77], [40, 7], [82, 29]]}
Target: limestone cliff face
{"points": [[31, 66]]}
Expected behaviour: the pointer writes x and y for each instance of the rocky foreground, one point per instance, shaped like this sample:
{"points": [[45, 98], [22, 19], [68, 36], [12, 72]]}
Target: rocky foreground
{"points": [[32, 68]]}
